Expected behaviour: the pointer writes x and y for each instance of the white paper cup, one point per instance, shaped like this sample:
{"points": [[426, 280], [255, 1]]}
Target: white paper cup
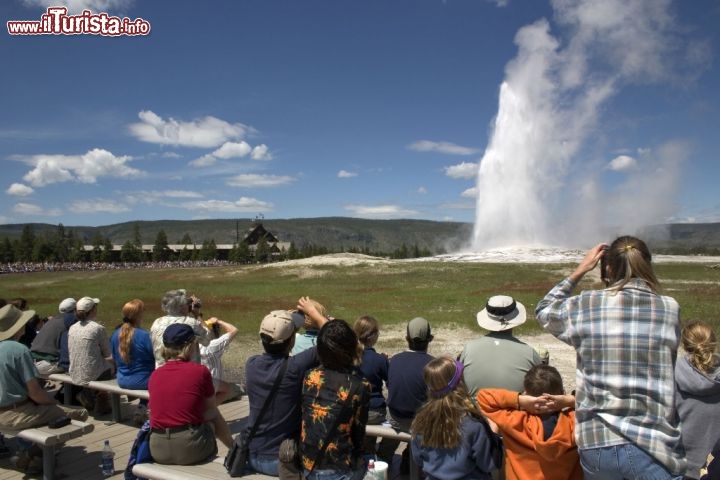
{"points": [[381, 470]]}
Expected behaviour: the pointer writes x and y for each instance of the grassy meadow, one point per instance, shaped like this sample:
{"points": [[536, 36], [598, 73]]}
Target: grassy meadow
{"points": [[394, 292]]}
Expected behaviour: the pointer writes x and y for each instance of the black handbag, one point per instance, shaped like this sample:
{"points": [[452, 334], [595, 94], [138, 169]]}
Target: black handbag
{"points": [[237, 458]]}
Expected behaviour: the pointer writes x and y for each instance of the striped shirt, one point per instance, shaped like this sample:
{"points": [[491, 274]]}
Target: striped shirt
{"points": [[626, 344]]}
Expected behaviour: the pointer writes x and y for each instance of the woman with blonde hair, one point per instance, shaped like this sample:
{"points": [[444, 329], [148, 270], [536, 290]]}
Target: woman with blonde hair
{"points": [[626, 338], [697, 379], [184, 418], [450, 437], [132, 351]]}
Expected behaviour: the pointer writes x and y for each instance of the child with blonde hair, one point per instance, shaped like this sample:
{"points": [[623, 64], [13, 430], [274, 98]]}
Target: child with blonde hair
{"points": [[308, 338], [450, 438], [697, 383]]}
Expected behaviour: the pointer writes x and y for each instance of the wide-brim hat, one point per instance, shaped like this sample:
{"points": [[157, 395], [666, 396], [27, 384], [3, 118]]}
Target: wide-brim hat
{"points": [[12, 319], [501, 313]]}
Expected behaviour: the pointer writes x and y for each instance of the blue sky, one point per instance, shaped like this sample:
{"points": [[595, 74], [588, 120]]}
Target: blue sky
{"points": [[309, 108]]}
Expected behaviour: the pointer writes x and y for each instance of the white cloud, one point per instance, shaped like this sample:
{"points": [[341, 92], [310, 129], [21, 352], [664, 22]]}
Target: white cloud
{"points": [[470, 193], [19, 190], [77, 6], [97, 205], [380, 211], [232, 150], [204, 161], [346, 174], [85, 168], [652, 189], [448, 148], [252, 180], [180, 194], [462, 170], [622, 163], [206, 132], [36, 210], [422, 190], [260, 152], [243, 204], [171, 155], [160, 197]]}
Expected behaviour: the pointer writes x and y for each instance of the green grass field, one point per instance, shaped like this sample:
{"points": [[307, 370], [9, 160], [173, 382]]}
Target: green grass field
{"points": [[445, 293]]}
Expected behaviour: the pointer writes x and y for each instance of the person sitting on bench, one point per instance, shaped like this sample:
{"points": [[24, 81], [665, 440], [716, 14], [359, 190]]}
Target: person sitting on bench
{"points": [[23, 402]]}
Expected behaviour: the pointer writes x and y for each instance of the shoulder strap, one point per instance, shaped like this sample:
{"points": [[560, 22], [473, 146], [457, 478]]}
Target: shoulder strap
{"points": [[268, 399]]}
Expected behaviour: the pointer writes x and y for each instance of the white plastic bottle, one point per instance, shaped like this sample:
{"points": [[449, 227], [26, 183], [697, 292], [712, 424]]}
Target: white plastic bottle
{"points": [[108, 460]]}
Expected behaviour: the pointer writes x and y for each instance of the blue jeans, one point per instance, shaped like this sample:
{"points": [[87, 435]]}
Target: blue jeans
{"points": [[266, 464], [329, 475], [620, 462]]}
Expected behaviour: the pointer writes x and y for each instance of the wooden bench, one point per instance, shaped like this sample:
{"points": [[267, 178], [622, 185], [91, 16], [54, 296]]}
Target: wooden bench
{"points": [[49, 438], [215, 469], [209, 470], [109, 386]]}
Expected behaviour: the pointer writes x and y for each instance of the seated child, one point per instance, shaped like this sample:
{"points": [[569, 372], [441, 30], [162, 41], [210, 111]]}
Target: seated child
{"points": [[210, 356], [374, 367], [308, 338], [538, 427], [450, 438]]}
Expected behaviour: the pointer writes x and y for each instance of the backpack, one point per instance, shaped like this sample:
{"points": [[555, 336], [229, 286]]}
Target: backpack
{"points": [[140, 451]]}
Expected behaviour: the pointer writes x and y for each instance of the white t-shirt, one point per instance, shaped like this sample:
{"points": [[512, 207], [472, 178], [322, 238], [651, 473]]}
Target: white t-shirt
{"points": [[210, 356]]}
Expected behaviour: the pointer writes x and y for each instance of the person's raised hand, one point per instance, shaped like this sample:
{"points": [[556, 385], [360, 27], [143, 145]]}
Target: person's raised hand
{"points": [[592, 257]]}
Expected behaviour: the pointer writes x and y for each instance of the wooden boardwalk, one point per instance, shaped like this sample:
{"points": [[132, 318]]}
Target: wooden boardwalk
{"points": [[80, 457]]}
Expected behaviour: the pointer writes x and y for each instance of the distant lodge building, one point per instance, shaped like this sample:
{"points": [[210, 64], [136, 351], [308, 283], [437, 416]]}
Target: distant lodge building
{"points": [[254, 235]]}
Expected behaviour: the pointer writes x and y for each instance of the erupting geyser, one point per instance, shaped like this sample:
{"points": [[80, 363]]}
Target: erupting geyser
{"points": [[540, 181]]}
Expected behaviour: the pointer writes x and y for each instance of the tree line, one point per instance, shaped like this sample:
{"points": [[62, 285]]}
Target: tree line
{"points": [[64, 245]]}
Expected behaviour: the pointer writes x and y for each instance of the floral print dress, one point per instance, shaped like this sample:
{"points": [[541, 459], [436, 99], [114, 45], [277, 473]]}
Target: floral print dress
{"points": [[333, 400]]}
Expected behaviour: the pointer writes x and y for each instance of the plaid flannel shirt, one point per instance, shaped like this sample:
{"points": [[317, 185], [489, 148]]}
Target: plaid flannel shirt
{"points": [[626, 344]]}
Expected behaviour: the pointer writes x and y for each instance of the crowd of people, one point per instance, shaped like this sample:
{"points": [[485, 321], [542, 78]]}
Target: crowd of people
{"points": [[497, 410], [27, 267]]}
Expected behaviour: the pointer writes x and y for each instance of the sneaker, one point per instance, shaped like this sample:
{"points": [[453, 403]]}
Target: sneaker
{"points": [[86, 399], [77, 414], [140, 415], [102, 404]]}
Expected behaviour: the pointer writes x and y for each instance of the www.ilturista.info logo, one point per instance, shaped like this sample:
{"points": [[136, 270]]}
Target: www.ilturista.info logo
{"points": [[57, 22]]}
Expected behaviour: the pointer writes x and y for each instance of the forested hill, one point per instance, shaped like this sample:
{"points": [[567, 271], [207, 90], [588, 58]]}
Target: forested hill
{"points": [[343, 233], [333, 233]]}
